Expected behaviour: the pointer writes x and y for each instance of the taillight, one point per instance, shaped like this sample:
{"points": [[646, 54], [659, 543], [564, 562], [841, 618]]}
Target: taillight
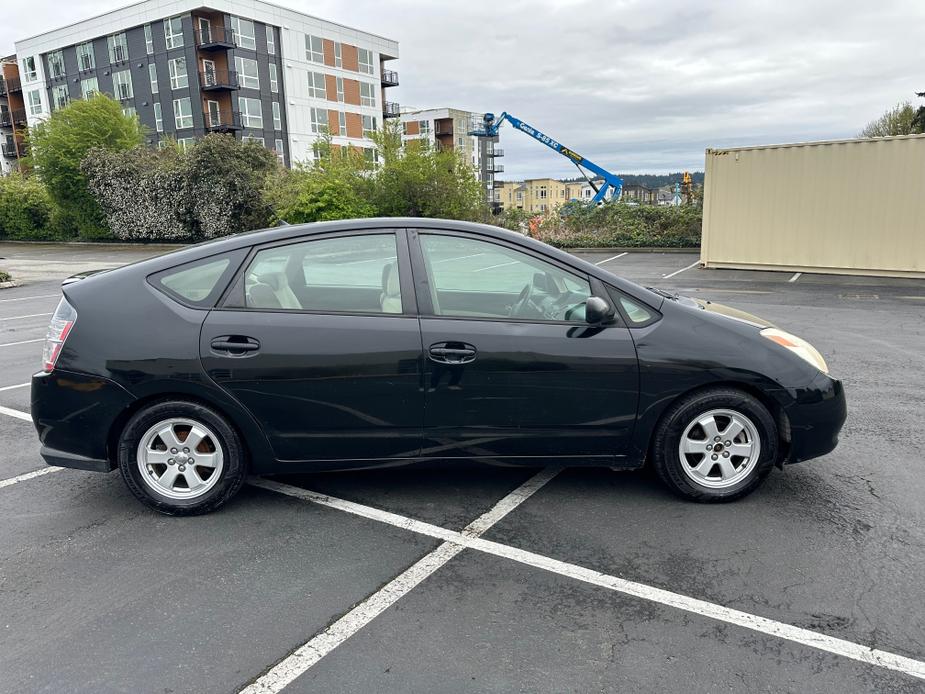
{"points": [[58, 330]]}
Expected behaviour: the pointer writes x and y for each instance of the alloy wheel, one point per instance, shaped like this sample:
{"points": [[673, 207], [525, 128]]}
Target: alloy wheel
{"points": [[180, 458], [719, 448]]}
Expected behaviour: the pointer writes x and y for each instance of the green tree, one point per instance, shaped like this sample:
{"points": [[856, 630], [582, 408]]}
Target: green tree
{"points": [[59, 145], [26, 210], [899, 120]]}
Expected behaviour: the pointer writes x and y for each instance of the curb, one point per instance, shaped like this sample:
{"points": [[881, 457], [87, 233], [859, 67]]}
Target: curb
{"points": [[632, 249], [10, 284]]}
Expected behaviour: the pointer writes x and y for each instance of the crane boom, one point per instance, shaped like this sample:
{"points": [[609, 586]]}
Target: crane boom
{"points": [[612, 182]]}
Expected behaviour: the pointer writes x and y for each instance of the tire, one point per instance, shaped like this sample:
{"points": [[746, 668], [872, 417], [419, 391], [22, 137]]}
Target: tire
{"points": [[695, 465], [174, 479]]}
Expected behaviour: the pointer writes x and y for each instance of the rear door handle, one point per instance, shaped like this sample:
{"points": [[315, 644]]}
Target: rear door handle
{"points": [[235, 345], [452, 353]]}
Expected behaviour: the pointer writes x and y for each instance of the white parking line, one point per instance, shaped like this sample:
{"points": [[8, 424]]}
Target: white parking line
{"points": [[678, 272], [28, 476], [323, 643], [613, 258], [462, 257], [18, 385], [10, 412], [22, 342], [492, 267], [28, 298], [796, 276], [770, 627], [31, 315]]}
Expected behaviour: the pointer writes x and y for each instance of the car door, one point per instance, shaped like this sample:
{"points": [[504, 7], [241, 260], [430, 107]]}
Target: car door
{"points": [[319, 340], [511, 367]]}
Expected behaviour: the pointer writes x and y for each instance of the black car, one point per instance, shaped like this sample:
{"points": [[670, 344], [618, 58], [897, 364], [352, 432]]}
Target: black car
{"points": [[356, 343]]}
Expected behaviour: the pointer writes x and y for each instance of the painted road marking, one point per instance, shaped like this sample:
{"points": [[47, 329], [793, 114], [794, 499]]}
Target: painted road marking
{"points": [[614, 258], [796, 276], [462, 257], [19, 414], [763, 625], [31, 315], [492, 267], [28, 476], [326, 641], [678, 272], [22, 342], [18, 385], [27, 298]]}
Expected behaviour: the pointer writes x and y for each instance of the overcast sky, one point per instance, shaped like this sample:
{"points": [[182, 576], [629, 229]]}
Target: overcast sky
{"points": [[634, 86]]}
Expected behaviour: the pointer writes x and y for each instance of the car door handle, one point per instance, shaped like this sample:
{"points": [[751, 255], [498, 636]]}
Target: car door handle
{"points": [[235, 344], [452, 353]]}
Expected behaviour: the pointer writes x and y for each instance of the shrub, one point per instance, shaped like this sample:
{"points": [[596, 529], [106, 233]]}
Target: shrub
{"points": [[26, 209], [59, 145], [621, 225]]}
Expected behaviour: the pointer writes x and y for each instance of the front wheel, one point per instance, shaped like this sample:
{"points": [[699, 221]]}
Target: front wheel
{"points": [[716, 445], [181, 458]]}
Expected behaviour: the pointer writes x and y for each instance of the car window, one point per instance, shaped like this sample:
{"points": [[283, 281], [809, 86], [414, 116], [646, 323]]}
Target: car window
{"points": [[199, 282], [346, 273], [480, 279]]}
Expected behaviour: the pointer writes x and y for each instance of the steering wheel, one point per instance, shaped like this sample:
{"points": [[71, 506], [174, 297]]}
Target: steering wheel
{"points": [[525, 301]]}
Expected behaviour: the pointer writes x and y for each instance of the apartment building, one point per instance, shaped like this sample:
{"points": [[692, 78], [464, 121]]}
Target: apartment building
{"points": [[190, 67], [12, 116], [539, 195], [449, 128]]}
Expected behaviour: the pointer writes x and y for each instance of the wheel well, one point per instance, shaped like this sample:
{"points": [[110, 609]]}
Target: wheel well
{"points": [[777, 412], [112, 440]]}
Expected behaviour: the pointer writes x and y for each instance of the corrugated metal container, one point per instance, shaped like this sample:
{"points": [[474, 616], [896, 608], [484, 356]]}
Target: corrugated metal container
{"points": [[847, 206]]}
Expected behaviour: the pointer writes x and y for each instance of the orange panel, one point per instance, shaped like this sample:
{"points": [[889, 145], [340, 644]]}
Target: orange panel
{"points": [[333, 124], [327, 47], [352, 92], [354, 125], [413, 127], [350, 57], [330, 87]]}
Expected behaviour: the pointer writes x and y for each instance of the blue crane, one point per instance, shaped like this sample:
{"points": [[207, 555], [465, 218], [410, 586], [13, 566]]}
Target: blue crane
{"points": [[490, 126]]}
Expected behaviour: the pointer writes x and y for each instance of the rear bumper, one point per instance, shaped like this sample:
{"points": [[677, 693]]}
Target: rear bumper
{"points": [[73, 415], [816, 416]]}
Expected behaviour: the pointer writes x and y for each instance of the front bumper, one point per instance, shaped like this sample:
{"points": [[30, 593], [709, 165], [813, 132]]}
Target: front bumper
{"points": [[73, 415], [816, 415]]}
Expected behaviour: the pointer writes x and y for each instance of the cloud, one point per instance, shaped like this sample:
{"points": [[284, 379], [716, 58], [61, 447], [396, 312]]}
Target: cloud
{"points": [[635, 86]]}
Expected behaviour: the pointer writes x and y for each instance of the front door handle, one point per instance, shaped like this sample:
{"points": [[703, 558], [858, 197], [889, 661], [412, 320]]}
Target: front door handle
{"points": [[452, 353], [235, 345]]}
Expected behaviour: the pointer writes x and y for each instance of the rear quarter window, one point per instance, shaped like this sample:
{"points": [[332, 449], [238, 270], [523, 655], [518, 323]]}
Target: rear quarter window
{"points": [[198, 283]]}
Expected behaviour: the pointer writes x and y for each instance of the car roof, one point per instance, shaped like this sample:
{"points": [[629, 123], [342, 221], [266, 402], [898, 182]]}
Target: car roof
{"points": [[281, 233]]}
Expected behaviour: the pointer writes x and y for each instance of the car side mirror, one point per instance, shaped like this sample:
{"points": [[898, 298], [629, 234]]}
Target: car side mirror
{"points": [[597, 310]]}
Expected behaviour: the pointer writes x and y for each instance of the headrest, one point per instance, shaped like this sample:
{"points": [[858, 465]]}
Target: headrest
{"points": [[390, 282]]}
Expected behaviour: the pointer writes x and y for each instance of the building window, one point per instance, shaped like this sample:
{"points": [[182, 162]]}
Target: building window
{"points": [[179, 79], [316, 87], [252, 138], [247, 72], [366, 61], [149, 40], [277, 117], [86, 58], [342, 122], [118, 48], [319, 120], [425, 128], [367, 94], [183, 113], [314, 49], [370, 155], [280, 152], [35, 102], [158, 117], [184, 143], [56, 64], [338, 54], [173, 32], [152, 74], [274, 79], [59, 97], [340, 89], [271, 41], [369, 126], [122, 84], [28, 69], [89, 87], [243, 32], [129, 111], [251, 112]]}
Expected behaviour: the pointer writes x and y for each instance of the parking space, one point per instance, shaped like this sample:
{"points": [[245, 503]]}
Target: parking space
{"points": [[586, 580]]}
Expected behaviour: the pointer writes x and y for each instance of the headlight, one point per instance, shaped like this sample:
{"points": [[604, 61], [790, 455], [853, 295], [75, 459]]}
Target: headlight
{"points": [[798, 346]]}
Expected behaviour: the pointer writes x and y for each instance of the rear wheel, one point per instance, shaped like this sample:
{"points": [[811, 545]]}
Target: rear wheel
{"points": [[715, 445], [181, 458]]}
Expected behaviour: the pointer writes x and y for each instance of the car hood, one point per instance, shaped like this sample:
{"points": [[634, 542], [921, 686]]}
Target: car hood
{"points": [[727, 311]]}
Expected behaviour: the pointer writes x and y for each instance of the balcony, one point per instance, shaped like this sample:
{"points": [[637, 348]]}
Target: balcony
{"points": [[218, 80], [6, 119], [389, 78], [8, 86], [223, 122], [9, 151], [19, 117], [390, 109], [215, 39], [495, 168], [494, 152]]}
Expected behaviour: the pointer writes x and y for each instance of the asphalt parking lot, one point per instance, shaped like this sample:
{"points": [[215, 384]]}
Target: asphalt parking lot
{"points": [[476, 579]]}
